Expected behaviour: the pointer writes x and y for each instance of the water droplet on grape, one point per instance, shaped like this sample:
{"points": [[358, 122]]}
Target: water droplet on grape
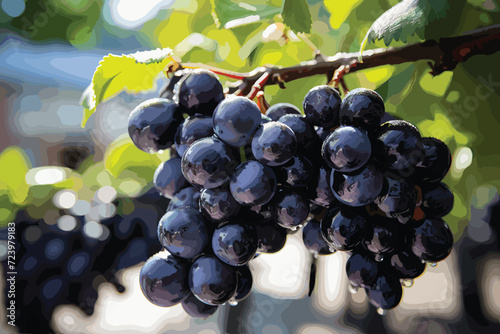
{"points": [[293, 228], [379, 258], [332, 249], [315, 254], [381, 311], [233, 302], [353, 288], [407, 282], [433, 264]]}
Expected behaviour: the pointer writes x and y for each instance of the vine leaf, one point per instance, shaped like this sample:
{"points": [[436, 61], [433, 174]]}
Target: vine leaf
{"points": [[297, 16], [404, 20], [228, 14], [133, 72]]}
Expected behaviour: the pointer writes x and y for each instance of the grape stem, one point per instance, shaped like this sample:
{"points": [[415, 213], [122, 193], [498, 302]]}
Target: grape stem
{"points": [[444, 55]]}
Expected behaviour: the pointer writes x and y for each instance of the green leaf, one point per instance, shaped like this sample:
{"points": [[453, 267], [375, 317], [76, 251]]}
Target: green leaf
{"points": [[229, 14], [133, 72], [122, 155], [14, 165], [297, 16], [404, 20]]}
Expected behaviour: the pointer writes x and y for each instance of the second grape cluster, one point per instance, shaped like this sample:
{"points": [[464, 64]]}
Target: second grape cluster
{"points": [[346, 172]]}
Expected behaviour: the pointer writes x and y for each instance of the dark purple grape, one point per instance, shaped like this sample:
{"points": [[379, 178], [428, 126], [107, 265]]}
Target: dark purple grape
{"points": [[386, 236], [319, 191], [399, 200], [152, 124], [321, 106], [245, 282], [168, 178], [78, 264], [296, 173], [304, 132], [208, 163], [433, 240], [55, 250], [253, 183], [362, 108], [164, 279], [402, 144], [234, 244], [362, 270], [289, 209], [281, 109], [435, 163], [200, 92], [183, 232], [193, 128], [187, 197], [274, 144], [218, 204], [437, 201], [271, 237], [386, 292], [346, 230], [359, 189], [235, 120], [212, 281], [347, 149], [314, 240], [196, 308], [405, 264]]}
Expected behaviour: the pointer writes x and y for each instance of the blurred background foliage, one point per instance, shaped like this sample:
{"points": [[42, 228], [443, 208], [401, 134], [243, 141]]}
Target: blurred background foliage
{"points": [[456, 107]]}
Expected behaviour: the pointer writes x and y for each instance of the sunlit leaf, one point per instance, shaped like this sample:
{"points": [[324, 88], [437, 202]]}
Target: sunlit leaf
{"points": [[133, 72], [14, 165], [436, 85], [340, 10]]}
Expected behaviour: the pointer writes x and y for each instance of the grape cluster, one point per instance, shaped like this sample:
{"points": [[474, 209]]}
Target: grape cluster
{"points": [[239, 181]]}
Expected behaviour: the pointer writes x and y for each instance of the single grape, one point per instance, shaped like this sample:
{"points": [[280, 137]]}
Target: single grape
{"points": [[168, 178], [253, 183], [405, 264], [212, 281], [402, 144], [152, 124], [183, 232], [78, 264], [274, 144], [271, 237], [346, 230], [386, 292], [321, 106], [386, 236], [399, 200], [187, 197], [320, 191], [314, 240], [234, 244], [235, 120], [304, 132], [362, 108], [200, 92], [359, 189], [281, 109], [435, 163], [289, 209], [193, 128], [208, 163], [362, 270], [347, 149], [196, 308], [433, 240], [296, 173], [163, 279], [437, 201], [245, 282], [218, 204]]}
